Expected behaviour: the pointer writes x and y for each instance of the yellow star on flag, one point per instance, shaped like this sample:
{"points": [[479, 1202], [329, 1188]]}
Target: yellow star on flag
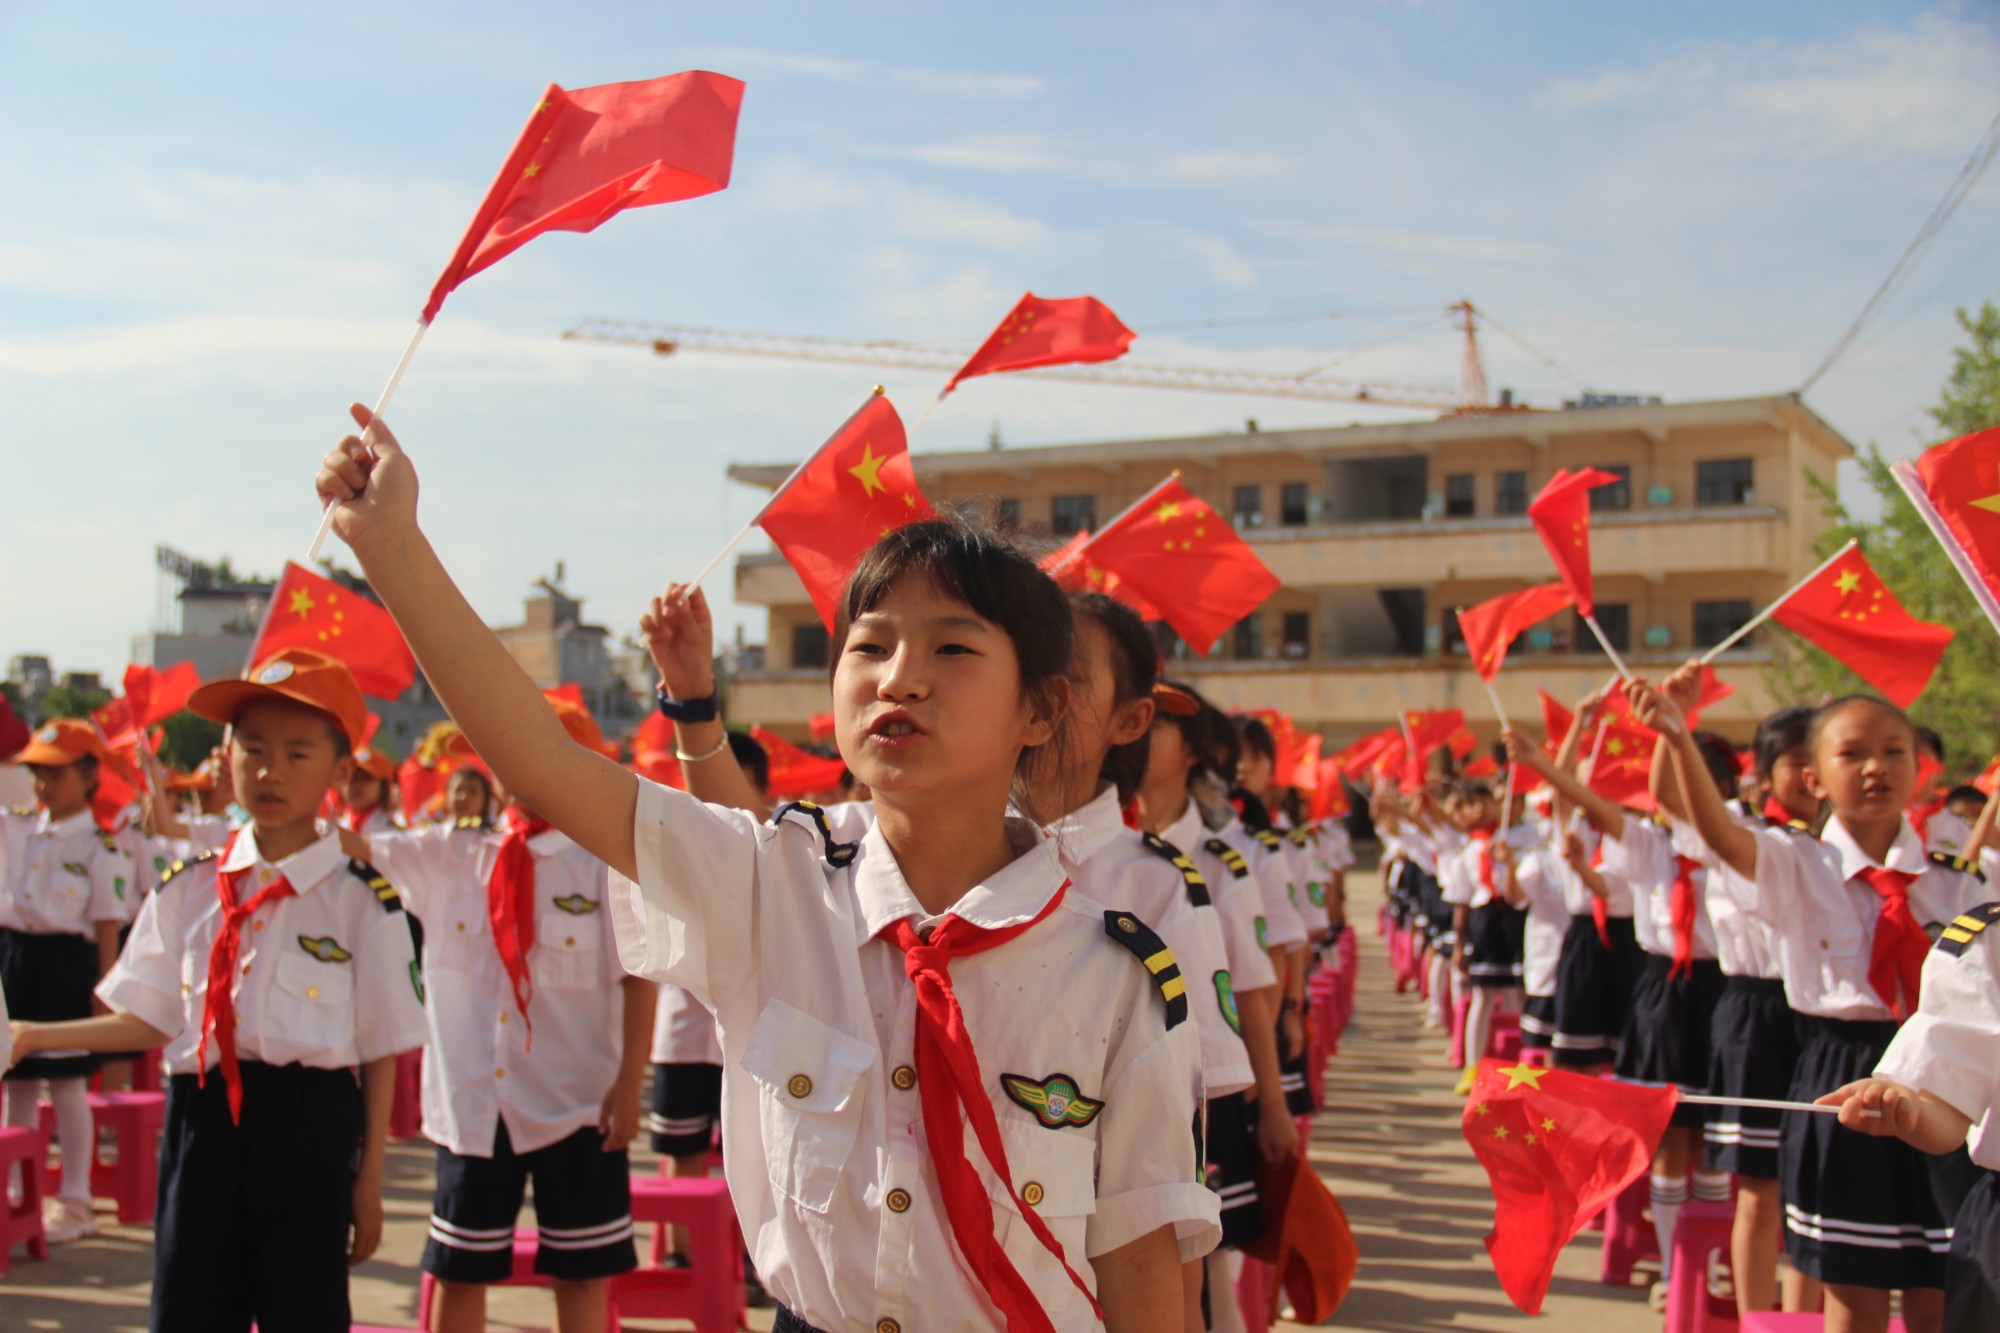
{"points": [[1531, 1137], [1848, 581], [531, 170], [1168, 509], [1499, 1131], [868, 469], [1990, 503], [1528, 1074], [302, 603], [1548, 1123], [1481, 1108]]}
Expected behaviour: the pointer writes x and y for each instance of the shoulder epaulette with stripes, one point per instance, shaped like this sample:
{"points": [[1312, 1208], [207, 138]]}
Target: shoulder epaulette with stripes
{"points": [[110, 843], [1958, 863], [1229, 856], [378, 884], [1269, 837], [22, 810], [837, 853], [1130, 932], [176, 867], [471, 822], [1197, 887], [1965, 929], [1297, 835]]}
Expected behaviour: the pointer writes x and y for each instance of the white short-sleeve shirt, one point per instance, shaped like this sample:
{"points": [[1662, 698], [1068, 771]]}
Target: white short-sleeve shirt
{"points": [[1238, 898], [326, 979], [1282, 926], [778, 927], [683, 1030], [1539, 875], [1648, 861], [1745, 945], [63, 875], [481, 1066], [1950, 1047], [1805, 888]]}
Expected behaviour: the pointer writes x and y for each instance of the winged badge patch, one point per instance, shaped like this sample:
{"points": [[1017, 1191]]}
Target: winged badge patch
{"points": [[1054, 1100], [577, 905], [327, 949]]}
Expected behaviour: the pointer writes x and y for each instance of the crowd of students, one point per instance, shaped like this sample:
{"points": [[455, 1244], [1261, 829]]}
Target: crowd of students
{"points": [[995, 1041]]}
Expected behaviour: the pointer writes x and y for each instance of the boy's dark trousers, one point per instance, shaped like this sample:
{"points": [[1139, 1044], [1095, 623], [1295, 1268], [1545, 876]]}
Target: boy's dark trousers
{"points": [[254, 1218]]}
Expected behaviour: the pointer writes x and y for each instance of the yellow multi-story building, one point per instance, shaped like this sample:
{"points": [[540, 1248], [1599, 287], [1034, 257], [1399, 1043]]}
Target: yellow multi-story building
{"points": [[1379, 532]]}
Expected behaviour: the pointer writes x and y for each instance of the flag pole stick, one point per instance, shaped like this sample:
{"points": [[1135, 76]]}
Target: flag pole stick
{"points": [[1763, 1104], [381, 406], [1767, 612], [1905, 473], [925, 415], [1624, 671], [786, 485]]}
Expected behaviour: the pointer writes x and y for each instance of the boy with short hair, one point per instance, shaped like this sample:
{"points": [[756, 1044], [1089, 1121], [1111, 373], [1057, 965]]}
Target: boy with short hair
{"points": [[272, 972], [536, 1056]]}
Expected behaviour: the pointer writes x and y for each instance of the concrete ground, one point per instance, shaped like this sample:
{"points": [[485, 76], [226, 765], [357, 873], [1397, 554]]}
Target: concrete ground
{"points": [[1388, 1145]]}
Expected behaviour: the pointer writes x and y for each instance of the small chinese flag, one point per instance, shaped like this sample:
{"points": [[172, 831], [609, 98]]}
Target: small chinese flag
{"points": [[1040, 332], [855, 490], [307, 611], [653, 752], [1074, 571], [1179, 554], [1556, 1147], [1847, 611], [1956, 488], [1556, 719], [1491, 627], [589, 153], [821, 726], [1713, 690], [1624, 768], [1355, 758], [1329, 797], [795, 772], [1561, 515], [1424, 735]]}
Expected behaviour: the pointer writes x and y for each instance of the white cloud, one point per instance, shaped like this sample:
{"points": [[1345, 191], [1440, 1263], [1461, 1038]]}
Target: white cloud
{"points": [[955, 84], [1029, 154], [892, 207]]}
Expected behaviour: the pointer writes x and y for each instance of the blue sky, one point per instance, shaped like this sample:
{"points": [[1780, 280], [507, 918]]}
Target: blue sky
{"points": [[221, 219]]}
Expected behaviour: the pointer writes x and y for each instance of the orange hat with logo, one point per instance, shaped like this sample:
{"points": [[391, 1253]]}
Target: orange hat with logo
{"points": [[374, 763], [1173, 699], [298, 675], [63, 740]]}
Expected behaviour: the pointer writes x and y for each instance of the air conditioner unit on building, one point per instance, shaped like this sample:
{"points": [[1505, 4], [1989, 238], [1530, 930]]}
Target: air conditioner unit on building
{"points": [[1659, 636], [1660, 496]]}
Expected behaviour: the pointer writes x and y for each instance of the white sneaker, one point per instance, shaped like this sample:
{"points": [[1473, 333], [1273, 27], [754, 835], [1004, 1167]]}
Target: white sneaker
{"points": [[65, 1220]]}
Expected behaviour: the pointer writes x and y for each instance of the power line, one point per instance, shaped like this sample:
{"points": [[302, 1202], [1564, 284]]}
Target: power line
{"points": [[1259, 320], [1954, 195], [1535, 352]]}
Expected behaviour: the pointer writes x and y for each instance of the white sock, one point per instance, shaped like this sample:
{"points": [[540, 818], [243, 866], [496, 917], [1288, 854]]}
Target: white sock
{"points": [[1711, 1186], [1224, 1314], [77, 1135], [1440, 988], [1479, 1024], [1669, 1193], [18, 1112]]}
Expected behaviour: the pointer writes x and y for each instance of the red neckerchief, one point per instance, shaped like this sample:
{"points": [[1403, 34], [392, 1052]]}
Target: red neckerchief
{"points": [[1484, 838], [353, 818], [510, 907], [953, 1092], [1896, 964], [219, 1012], [1683, 906], [1775, 813], [1600, 907]]}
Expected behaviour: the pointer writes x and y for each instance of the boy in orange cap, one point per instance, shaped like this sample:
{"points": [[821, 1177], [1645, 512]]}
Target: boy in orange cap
{"points": [[368, 802], [63, 898], [537, 1052], [273, 972]]}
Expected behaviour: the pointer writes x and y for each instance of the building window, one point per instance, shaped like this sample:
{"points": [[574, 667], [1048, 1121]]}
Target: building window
{"points": [[1071, 514], [1298, 634], [1295, 509], [1249, 509], [1510, 492], [1245, 639], [1716, 621], [1724, 481], [1615, 619], [1458, 495], [1615, 495], [1007, 513], [809, 646]]}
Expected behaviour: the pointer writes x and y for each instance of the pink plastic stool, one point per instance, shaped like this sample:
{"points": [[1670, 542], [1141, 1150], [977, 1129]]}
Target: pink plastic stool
{"points": [[1701, 1232], [1770, 1321], [21, 1147], [1253, 1293], [406, 1112], [524, 1275], [709, 1292], [133, 1178], [1629, 1239]]}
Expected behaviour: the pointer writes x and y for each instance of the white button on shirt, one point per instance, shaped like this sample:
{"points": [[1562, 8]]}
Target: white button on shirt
{"points": [[1950, 1047], [480, 1065], [1111, 864], [327, 978], [60, 877], [817, 1016], [1825, 918]]}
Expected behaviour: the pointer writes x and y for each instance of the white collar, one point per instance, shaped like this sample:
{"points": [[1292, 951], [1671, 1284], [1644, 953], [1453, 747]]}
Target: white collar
{"points": [[306, 868], [1906, 853], [1090, 828], [1017, 892], [1188, 831], [67, 825]]}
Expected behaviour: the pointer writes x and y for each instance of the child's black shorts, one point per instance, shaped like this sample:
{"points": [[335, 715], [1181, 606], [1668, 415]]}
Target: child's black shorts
{"points": [[583, 1210], [687, 1107]]}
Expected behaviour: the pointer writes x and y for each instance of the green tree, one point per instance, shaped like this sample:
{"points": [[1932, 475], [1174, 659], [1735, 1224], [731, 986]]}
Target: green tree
{"points": [[71, 701], [185, 740], [1963, 699]]}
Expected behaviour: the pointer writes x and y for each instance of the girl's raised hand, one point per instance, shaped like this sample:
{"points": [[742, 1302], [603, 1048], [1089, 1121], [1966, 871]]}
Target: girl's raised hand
{"points": [[1684, 686], [370, 482], [680, 637], [1521, 750], [1654, 709]]}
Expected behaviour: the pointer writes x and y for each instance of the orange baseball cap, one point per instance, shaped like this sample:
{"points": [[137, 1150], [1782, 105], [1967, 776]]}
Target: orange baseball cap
{"points": [[62, 740], [1173, 699], [374, 763], [297, 674]]}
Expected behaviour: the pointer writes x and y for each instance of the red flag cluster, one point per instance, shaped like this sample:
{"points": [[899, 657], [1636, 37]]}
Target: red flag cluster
{"points": [[1848, 612], [1491, 627], [1561, 515], [308, 611], [1038, 332]]}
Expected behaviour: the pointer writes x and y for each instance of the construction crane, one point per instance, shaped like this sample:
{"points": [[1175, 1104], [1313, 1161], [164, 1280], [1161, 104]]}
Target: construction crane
{"points": [[1470, 396]]}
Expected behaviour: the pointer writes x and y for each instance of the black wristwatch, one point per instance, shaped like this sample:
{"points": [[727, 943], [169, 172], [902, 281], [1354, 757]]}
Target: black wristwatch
{"points": [[703, 709]]}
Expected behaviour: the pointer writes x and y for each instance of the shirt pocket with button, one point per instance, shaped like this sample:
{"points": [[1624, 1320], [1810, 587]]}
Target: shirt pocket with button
{"points": [[312, 1001], [1055, 1175], [569, 951], [811, 1099]]}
